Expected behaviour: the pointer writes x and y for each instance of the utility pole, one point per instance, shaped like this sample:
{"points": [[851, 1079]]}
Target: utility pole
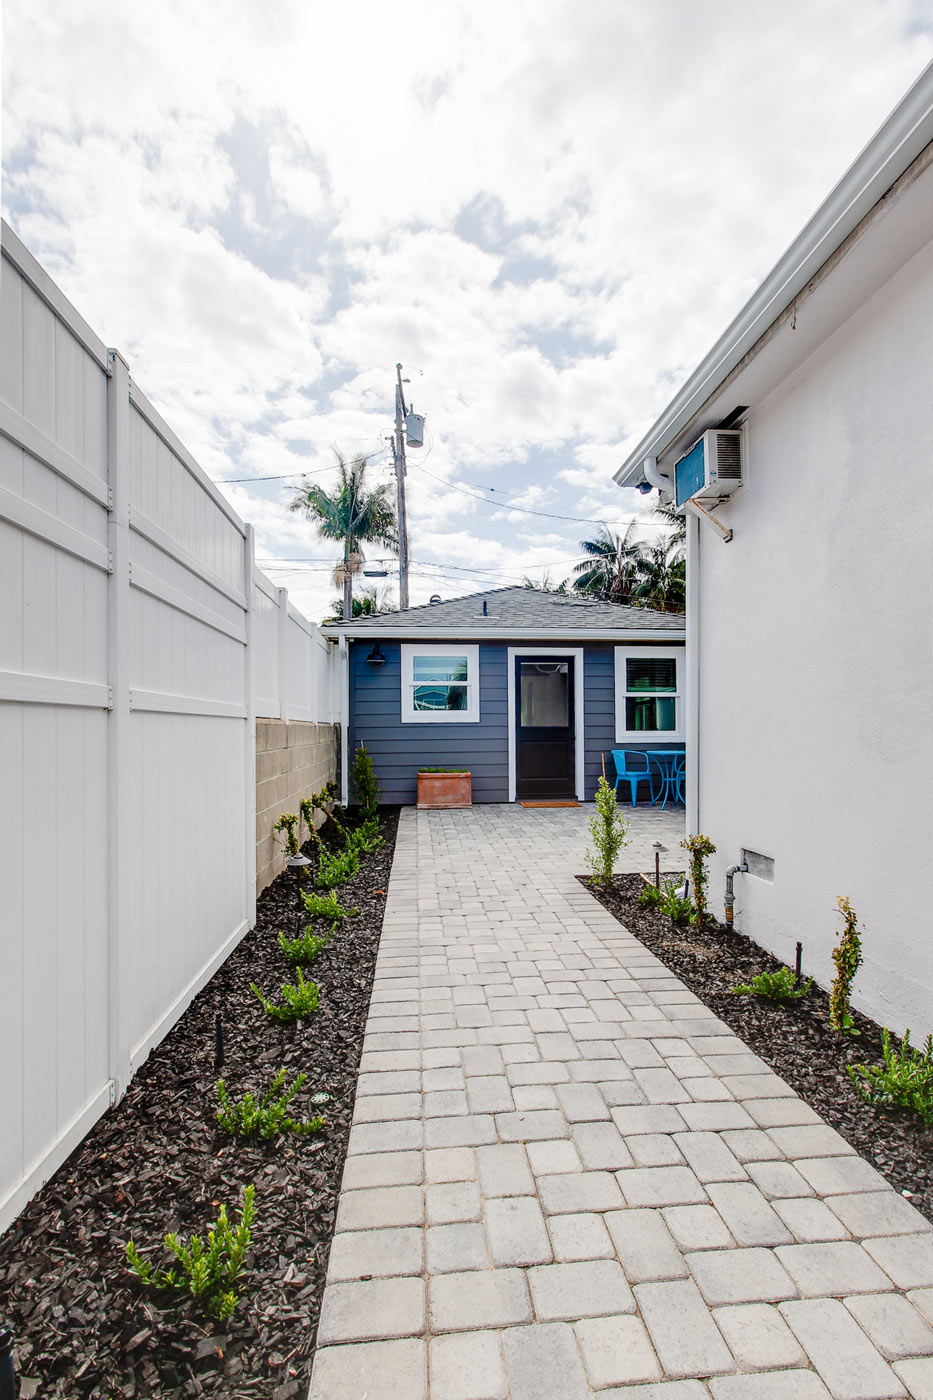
{"points": [[398, 451]]}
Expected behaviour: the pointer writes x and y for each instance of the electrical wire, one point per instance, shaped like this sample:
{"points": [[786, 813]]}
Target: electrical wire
{"points": [[525, 510], [286, 476]]}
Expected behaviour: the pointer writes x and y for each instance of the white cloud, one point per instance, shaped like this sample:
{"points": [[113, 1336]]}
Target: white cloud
{"points": [[547, 211]]}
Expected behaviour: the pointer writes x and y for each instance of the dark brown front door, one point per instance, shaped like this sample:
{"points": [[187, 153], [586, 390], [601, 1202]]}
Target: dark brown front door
{"points": [[544, 746]]}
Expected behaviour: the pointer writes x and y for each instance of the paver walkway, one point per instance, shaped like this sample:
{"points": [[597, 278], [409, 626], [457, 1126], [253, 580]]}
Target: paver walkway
{"points": [[567, 1178]]}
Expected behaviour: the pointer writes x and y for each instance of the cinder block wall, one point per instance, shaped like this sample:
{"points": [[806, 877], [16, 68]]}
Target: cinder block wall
{"points": [[292, 761]]}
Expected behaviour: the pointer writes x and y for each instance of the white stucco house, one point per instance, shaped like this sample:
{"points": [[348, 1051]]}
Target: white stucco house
{"points": [[810, 580]]}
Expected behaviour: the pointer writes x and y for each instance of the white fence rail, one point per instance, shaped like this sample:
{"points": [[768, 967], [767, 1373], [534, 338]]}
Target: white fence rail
{"points": [[132, 624]]}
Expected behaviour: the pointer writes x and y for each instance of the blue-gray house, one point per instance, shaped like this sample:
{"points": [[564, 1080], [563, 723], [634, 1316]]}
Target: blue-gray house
{"points": [[529, 690]]}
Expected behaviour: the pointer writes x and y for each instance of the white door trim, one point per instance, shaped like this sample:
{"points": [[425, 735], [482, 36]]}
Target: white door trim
{"points": [[578, 709]]}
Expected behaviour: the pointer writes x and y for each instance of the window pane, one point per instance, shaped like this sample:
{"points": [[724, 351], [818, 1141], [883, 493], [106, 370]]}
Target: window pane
{"points": [[439, 668], [440, 697], [646, 673], [544, 694], [652, 714]]}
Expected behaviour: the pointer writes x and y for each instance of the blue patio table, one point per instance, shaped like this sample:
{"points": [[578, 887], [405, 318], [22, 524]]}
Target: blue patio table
{"points": [[666, 761]]}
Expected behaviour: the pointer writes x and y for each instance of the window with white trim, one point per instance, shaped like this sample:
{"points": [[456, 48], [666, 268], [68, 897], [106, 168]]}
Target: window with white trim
{"points": [[649, 702], [440, 684]]}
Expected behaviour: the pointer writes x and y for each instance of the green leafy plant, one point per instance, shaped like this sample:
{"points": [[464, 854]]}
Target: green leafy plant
{"points": [[904, 1080], [679, 911], [336, 867], [460, 772], [306, 947], [297, 1001], [325, 906], [365, 782], [209, 1270], [698, 847], [652, 896], [266, 1116], [847, 955], [306, 807], [609, 831], [287, 827], [780, 987], [365, 838]]}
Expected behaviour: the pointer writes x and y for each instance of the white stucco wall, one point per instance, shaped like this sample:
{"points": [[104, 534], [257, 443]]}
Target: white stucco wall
{"points": [[816, 656]]}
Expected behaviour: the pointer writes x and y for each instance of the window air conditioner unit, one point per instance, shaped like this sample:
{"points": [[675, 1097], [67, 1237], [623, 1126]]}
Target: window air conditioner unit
{"points": [[713, 468]]}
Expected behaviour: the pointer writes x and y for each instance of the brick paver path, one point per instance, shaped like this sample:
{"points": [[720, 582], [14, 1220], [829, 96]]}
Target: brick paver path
{"points": [[567, 1178]]}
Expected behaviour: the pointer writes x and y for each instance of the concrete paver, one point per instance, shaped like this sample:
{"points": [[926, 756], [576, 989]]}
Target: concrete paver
{"points": [[567, 1178]]}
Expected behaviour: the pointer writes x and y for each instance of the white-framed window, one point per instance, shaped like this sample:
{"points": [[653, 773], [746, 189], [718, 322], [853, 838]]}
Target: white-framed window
{"points": [[440, 684], [649, 698]]}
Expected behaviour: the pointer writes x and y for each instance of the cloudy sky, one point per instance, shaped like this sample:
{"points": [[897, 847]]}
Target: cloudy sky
{"points": [[547, 211]]}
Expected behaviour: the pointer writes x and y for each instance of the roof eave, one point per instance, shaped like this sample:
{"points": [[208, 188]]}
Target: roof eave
{"points": [[903, 136], [509, 634]]}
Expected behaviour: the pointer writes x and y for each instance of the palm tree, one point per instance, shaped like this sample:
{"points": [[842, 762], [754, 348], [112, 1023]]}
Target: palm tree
{"points": [[613, 572], [350, 513], [675, 520], [365, 604], [663, 577]]}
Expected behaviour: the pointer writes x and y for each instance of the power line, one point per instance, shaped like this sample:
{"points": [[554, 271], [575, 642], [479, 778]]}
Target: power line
{"points": [[504, 505], [286, 476]]}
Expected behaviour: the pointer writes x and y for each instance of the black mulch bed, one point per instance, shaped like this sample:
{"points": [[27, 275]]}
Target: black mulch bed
{"points": [[797, 1042], [83, 1325]]}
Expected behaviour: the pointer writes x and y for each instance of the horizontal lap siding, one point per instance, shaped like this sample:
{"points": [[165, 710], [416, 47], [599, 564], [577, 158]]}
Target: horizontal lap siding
{"points": [[599, 727], [398, 749], [599, 684]]}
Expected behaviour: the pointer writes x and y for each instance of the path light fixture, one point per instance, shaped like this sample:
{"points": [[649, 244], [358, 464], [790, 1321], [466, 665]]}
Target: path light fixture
{"points": [[659, 851], [296, 863]]}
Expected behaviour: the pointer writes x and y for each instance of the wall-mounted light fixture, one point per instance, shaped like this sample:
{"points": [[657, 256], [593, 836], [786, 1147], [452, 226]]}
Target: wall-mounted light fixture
{"points": [[375, 657]]}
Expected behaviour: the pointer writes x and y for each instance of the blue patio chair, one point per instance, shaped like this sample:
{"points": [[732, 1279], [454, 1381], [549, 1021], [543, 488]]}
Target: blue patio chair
{"points": [[633, 767], [680, 773]]}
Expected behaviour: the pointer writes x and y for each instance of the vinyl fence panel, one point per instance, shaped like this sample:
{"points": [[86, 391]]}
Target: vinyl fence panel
{"points": [[137, 643]]}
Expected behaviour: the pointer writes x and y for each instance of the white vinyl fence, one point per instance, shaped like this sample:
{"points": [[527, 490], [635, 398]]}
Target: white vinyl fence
{"points": [[132, 625]]}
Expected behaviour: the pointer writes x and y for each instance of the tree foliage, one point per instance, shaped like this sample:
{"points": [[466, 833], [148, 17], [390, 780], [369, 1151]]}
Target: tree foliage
{"points": [[353, 513]]}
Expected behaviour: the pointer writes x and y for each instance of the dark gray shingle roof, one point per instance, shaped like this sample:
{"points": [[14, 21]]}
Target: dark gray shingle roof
{"points": [[519, 608]]}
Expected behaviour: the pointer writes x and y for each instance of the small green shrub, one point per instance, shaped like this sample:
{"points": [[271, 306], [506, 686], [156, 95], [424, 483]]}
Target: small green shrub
{"points": [[365, 838], [609, 831], [336, 868], [306, 947], [287, 827], [208, 1271], [905, 1080], [365, 782], [325, 906], [847, 955], [651, 896], [679, 911], [266, 1116], [780, 987], [297, 1001], [699, 847]]}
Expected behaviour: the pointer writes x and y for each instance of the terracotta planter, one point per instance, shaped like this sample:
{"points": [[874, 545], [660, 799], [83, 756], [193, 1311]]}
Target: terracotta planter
{"points": [[445, 790]]}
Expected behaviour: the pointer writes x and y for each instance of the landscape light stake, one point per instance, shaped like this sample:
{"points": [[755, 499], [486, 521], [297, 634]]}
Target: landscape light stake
{"points": [[218, 1042], [7, 1370], [658, 850], [297, 863], [798, 964]]}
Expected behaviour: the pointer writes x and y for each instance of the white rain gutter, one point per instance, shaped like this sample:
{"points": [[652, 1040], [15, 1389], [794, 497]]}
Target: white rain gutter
{"points": [[547, 637], [893, 148], [344, 723]]}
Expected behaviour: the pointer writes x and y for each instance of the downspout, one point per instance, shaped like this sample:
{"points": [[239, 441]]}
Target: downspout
{"points": [[730, 896], [692, 686], [344, 722]]}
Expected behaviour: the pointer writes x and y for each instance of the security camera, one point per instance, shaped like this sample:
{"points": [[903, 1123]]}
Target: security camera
{"points": [[645, 488]]}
